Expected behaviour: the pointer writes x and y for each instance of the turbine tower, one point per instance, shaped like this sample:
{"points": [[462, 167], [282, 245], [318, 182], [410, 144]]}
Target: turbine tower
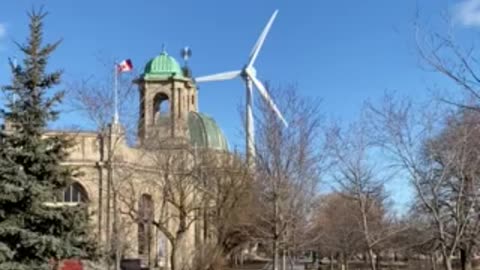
{"points": [[249, 75]]}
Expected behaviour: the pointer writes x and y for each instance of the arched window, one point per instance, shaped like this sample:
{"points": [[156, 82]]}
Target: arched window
{"points": [[145, 213], [161, 105], [75, 193]]}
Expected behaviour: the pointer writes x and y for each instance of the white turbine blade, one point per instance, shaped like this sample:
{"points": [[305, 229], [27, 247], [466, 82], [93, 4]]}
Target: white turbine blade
{"points": [[263, 91], [261, 40], [219, 76]]}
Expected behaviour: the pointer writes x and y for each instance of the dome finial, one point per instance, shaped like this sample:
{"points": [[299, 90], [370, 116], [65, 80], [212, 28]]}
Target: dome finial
{"points": [[164, 48]]}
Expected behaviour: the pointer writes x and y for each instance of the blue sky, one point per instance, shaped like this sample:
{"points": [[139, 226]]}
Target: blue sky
{"points": [[344, 52]]}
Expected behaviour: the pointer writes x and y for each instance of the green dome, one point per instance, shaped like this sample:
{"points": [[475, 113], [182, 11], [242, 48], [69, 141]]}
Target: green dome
{"points": [[162, 67], [205, 133]]}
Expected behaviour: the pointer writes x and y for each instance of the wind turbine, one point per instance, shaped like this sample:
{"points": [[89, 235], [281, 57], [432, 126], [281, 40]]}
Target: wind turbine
{"points": [[248, 75]]}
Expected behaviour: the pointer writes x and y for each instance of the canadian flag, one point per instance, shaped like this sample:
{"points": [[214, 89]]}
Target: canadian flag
{"points": [[125, 66]]}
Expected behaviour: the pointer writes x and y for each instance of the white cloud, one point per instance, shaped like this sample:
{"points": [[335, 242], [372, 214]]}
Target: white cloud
{"points": [[467, 13]]}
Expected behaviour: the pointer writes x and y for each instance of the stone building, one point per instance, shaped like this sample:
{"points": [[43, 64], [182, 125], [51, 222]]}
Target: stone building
{"points": [[168, 114]]}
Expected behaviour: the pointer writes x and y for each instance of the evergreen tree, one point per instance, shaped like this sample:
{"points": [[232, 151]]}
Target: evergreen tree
{"points": [[33, 234]]}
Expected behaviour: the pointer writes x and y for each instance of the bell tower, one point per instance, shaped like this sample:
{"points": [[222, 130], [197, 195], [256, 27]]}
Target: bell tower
{"points": [[167, 96]]}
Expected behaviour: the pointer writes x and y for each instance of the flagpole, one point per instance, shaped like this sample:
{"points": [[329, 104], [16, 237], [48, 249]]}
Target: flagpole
{"points": [[115, 94]]}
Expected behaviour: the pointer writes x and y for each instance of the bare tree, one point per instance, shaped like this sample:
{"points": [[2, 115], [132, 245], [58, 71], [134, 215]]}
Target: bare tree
{"points": [[202, 191], [336, 228], [417, 240], [443, 54], [93, 99], [172, 176], [288, 167], [360, 180], [457, 62], [455, 152], [228, 210], [439, 155]]}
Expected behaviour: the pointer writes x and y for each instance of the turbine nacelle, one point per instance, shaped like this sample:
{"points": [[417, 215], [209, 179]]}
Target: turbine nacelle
{"points": [[249, 71]]}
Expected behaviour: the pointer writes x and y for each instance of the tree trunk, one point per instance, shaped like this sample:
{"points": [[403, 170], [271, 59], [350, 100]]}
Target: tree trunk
{"points": [[242, 258], [466, 259], [276, 236], [433, 261], [366, 232], [116, 231], [344, 262], [173, 255], [291, 261], [275, 254], [331, 262], [447, 261], [371, 259], [179, 259]]}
